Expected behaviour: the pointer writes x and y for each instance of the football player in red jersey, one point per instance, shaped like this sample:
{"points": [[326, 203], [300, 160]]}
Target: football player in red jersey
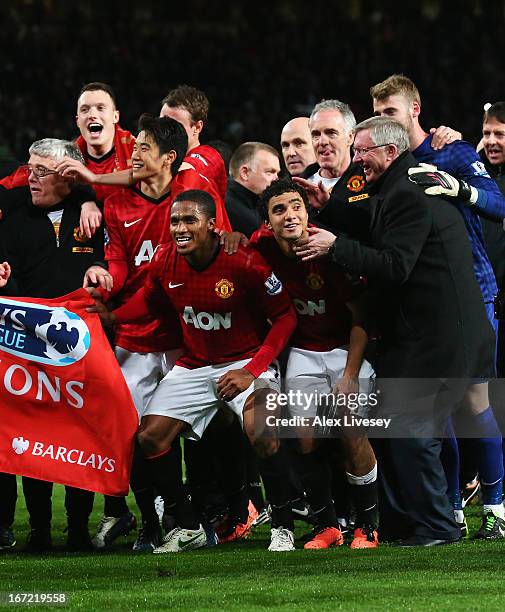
{"points": [[190, 106], [327, 355], [224, 306], [138, 220], [105, 146]]}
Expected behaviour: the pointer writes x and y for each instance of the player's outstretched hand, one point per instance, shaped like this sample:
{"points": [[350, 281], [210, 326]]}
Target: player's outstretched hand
{"points": [[443, 135], [316, 192], [72, 168], [106, 316], [231, 241], [439, 183], [5, 272], [232, 383], [98, 276], [317, 244], [91, 218]]}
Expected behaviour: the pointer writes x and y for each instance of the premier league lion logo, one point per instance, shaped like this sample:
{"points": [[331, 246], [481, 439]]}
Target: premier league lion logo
{"points": [[66, 337], [44, 334]]}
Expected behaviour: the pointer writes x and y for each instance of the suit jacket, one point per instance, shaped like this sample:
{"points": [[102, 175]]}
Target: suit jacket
{"points": [[431, 318], [242, 208]]}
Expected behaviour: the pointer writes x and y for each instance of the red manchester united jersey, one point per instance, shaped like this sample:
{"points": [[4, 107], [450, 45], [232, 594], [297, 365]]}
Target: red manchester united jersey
{"points": [[207, 161], [103, 165], [223, 309], [136, 225], [319, 292]]}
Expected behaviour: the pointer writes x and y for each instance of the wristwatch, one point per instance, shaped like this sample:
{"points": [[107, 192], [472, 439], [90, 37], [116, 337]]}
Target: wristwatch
{"points": [[331, 248]]}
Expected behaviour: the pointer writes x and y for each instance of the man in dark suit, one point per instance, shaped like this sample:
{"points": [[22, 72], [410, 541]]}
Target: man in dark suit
{"points": [[431, 324], [253, 166]]}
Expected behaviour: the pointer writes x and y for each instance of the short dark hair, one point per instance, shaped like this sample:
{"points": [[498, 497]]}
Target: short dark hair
{"points": [[276, 188], [495, 111], [190, 98], [98, 86], [168, 134], [200, 197]]}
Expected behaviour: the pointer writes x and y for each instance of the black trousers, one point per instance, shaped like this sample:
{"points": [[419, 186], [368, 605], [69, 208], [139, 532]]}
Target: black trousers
{"points": [[38, 493], [412, 484]]}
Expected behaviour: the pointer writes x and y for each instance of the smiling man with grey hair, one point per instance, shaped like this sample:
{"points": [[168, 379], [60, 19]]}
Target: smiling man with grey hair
{"points": [[48, 256], [431, 324]]}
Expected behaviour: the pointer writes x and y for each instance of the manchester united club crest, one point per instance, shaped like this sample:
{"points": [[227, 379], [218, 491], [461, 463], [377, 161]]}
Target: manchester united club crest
{"points": [[314, 281], [224, 288], [356, 183], [79, 236]]}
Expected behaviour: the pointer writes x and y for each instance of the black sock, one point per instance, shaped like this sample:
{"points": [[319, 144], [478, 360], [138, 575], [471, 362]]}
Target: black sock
{"points": [[364, 498], [238, 504], [316, 478], [255, 494], [275, 473], [233, 469], [142, 488], [166, 474], [253, 477], [114, 506]]}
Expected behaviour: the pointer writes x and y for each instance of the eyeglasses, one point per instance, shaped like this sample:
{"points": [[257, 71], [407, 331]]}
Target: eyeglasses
{"points": [[39, 171], [363, 150]]}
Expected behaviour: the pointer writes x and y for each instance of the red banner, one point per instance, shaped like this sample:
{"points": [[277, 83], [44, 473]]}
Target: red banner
{"points": [[66, 413]]}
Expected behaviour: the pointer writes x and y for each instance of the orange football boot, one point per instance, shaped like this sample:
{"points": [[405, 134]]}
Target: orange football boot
{"points": [[324, 538], [365, 537]]}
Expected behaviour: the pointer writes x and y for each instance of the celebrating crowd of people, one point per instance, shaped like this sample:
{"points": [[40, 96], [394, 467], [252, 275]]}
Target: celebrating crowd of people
{"points": [[321, 322]]}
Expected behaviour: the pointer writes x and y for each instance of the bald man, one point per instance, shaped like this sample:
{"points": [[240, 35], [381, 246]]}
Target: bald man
{"points": [[296, 145]]}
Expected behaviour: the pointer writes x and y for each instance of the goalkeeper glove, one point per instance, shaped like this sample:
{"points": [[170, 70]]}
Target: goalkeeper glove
{"points": [[441, 183]]}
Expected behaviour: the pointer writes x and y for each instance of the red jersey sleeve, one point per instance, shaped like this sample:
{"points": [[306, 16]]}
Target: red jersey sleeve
{"points": [[275, 304], [208, 161], [19, 178]]}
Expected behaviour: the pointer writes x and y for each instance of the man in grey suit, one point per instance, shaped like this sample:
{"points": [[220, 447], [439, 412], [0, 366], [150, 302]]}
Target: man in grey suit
{"points": [[431, 323]]}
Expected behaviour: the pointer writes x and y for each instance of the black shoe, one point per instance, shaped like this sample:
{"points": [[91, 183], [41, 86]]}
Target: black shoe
{"points": [[39, 541], [492, 528], [78, 539], [422, 541], [7, 539]]}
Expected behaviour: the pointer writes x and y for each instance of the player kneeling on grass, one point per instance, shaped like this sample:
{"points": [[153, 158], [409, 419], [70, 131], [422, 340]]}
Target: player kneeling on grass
{"points": [[326, 357], [235, 318]]}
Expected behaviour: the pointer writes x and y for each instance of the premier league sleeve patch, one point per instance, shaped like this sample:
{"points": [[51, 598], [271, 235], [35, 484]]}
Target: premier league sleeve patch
{"points": [[479, 169], [273, 285]]}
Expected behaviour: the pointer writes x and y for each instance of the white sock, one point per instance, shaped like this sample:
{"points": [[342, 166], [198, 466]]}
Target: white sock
{"points": [[363, 480], [459, 515]]}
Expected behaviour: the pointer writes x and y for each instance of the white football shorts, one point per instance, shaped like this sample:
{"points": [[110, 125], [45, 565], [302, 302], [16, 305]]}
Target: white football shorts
{"points": [[316, 373], [191, 395], [143, 372]]}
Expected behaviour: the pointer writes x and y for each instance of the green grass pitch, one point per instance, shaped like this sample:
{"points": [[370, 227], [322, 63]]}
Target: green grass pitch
{"points": [[245, 576]]}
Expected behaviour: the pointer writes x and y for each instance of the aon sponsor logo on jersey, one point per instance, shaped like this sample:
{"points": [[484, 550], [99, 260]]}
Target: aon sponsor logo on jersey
{"points": [[310, 308], [146, 253], [206, 320]]}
